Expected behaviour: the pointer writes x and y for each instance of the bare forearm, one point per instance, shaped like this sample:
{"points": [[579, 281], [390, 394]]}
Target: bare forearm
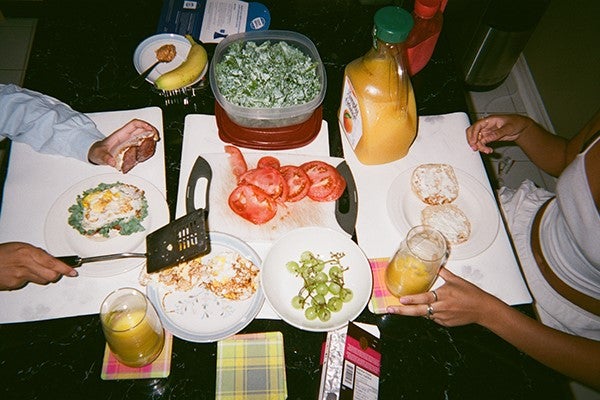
{"points": [[570, 355], [544, 149]]}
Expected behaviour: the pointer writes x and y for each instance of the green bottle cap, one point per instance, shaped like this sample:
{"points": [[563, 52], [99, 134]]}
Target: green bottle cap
{"points": [[392, 24]]}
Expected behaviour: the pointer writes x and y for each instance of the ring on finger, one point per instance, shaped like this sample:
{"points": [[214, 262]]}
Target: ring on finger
{"points": [[430, 311], [435, 296]]}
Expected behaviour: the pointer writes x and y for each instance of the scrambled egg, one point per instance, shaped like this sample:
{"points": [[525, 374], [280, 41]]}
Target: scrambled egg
{"points": [[228, 275], [231, 276]]}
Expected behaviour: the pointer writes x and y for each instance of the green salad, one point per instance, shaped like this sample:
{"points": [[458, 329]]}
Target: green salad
{"points": [[267, 75]]}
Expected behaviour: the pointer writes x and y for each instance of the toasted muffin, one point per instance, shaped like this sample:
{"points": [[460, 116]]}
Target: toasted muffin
{"points": [[450, 220], [435, 184]]}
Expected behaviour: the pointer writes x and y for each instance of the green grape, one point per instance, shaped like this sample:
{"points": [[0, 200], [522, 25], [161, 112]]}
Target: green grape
{"points": [[335, 272], [318, 299], [306, 256], [298, 302], [346, 295], [335, 304], [321, 277], [335, 288], [310, 313], [324, 314], [319, 266], [293, 267], [322, 288]]}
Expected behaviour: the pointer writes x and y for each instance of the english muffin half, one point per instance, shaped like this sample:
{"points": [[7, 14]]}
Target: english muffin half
{"points": [[435, 184]]}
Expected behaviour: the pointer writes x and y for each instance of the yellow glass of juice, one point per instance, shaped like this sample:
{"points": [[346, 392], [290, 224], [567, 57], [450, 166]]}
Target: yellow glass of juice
{"points": [[417, 261], [131, 327]]}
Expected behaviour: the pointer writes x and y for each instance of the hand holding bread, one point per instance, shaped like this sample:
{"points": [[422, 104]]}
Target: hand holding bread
{"points": [[129, 145]]}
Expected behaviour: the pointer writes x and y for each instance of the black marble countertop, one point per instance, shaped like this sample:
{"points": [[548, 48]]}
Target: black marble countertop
{"points": [[82, 55]]}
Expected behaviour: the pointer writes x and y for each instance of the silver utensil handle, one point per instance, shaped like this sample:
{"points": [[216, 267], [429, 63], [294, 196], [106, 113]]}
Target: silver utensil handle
{"points": [[76, 261]]}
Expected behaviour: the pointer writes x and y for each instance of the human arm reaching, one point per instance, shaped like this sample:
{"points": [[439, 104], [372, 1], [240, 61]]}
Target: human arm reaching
{"points": [[21, 263], [459, 303], [551, 153], [50, 126]]}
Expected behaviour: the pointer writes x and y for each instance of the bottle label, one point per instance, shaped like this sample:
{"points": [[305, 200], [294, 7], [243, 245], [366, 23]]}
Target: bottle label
{"points": [[349, 117]]}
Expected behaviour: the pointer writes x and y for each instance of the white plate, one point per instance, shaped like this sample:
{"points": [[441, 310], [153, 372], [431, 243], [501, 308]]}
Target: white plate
{"points": [[145, 55], [200, 316], [280, 285], [477, 202], [62, 239]]}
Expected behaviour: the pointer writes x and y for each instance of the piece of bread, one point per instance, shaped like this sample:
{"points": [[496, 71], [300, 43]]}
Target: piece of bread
{"points": [[136, 150], [450, 220], [435, 183]]}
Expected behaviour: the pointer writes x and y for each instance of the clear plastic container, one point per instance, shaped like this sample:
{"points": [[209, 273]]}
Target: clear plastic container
{"points": [[378, 111], [269, 117]]}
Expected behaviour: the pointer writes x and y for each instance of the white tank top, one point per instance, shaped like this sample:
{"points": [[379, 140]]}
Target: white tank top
{"points": [[570, 229]]}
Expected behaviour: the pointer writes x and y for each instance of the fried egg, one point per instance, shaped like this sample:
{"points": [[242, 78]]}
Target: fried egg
{"points": [[109, 209]]}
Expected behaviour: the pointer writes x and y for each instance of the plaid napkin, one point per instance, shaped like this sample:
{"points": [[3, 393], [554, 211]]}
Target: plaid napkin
{"points": [[161, 367], [381, 297], [251, 367]]}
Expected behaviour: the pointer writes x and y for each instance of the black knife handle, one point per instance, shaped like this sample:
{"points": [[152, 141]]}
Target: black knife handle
{"points": [[201, 169], [346, 207], [72, 261]]}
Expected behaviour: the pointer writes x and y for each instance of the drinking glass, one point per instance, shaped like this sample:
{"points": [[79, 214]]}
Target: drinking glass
{"points": [[132, 327], [416, 262]]}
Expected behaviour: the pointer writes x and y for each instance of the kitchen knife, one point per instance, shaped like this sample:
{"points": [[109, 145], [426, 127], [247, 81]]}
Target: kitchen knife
{"points": [[200, 170], [346, 207]]}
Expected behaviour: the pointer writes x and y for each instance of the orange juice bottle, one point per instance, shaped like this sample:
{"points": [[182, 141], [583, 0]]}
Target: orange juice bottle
{"points": [[378, 114]]}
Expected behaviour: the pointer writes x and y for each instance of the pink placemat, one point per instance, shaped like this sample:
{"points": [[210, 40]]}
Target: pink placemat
{"points": [[161, 367], [381, 297]]}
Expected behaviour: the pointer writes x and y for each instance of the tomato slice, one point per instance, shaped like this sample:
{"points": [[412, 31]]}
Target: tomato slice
{"points": [[269, 180], [297, 182], [268, 161], [252, 204], [236, 161], [326, 183]]}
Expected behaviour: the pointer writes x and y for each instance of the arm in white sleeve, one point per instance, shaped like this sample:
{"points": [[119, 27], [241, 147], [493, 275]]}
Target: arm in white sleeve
{"points": [[45, 123]]}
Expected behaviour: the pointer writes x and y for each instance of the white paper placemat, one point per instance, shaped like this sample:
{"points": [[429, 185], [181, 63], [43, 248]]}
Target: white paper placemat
{"points": [[440, 139], [34, 181]]}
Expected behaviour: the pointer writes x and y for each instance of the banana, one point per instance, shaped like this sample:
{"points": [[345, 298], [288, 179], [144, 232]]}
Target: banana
{"points": [[188, 71]]}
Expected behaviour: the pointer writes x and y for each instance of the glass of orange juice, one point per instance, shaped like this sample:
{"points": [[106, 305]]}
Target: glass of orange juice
{"points": [[417, 261], [131, 327]]}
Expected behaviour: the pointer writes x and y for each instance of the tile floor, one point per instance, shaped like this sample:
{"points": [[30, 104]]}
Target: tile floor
{"points": [[508, 165]]}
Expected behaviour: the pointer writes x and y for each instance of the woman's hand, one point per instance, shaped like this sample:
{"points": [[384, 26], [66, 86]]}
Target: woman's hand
{"points": [[458, 302], [21, 263], [496, 128], [101, 152]]}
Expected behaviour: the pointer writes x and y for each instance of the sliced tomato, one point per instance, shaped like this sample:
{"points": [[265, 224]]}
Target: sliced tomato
{"points": [[236, 161], [297, 182], [252, 204], [268, 161], [326, 183], [269, 180]]}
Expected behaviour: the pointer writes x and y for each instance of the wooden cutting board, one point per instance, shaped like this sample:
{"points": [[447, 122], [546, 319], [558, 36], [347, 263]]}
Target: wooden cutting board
{"points": [[305, 212]]}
